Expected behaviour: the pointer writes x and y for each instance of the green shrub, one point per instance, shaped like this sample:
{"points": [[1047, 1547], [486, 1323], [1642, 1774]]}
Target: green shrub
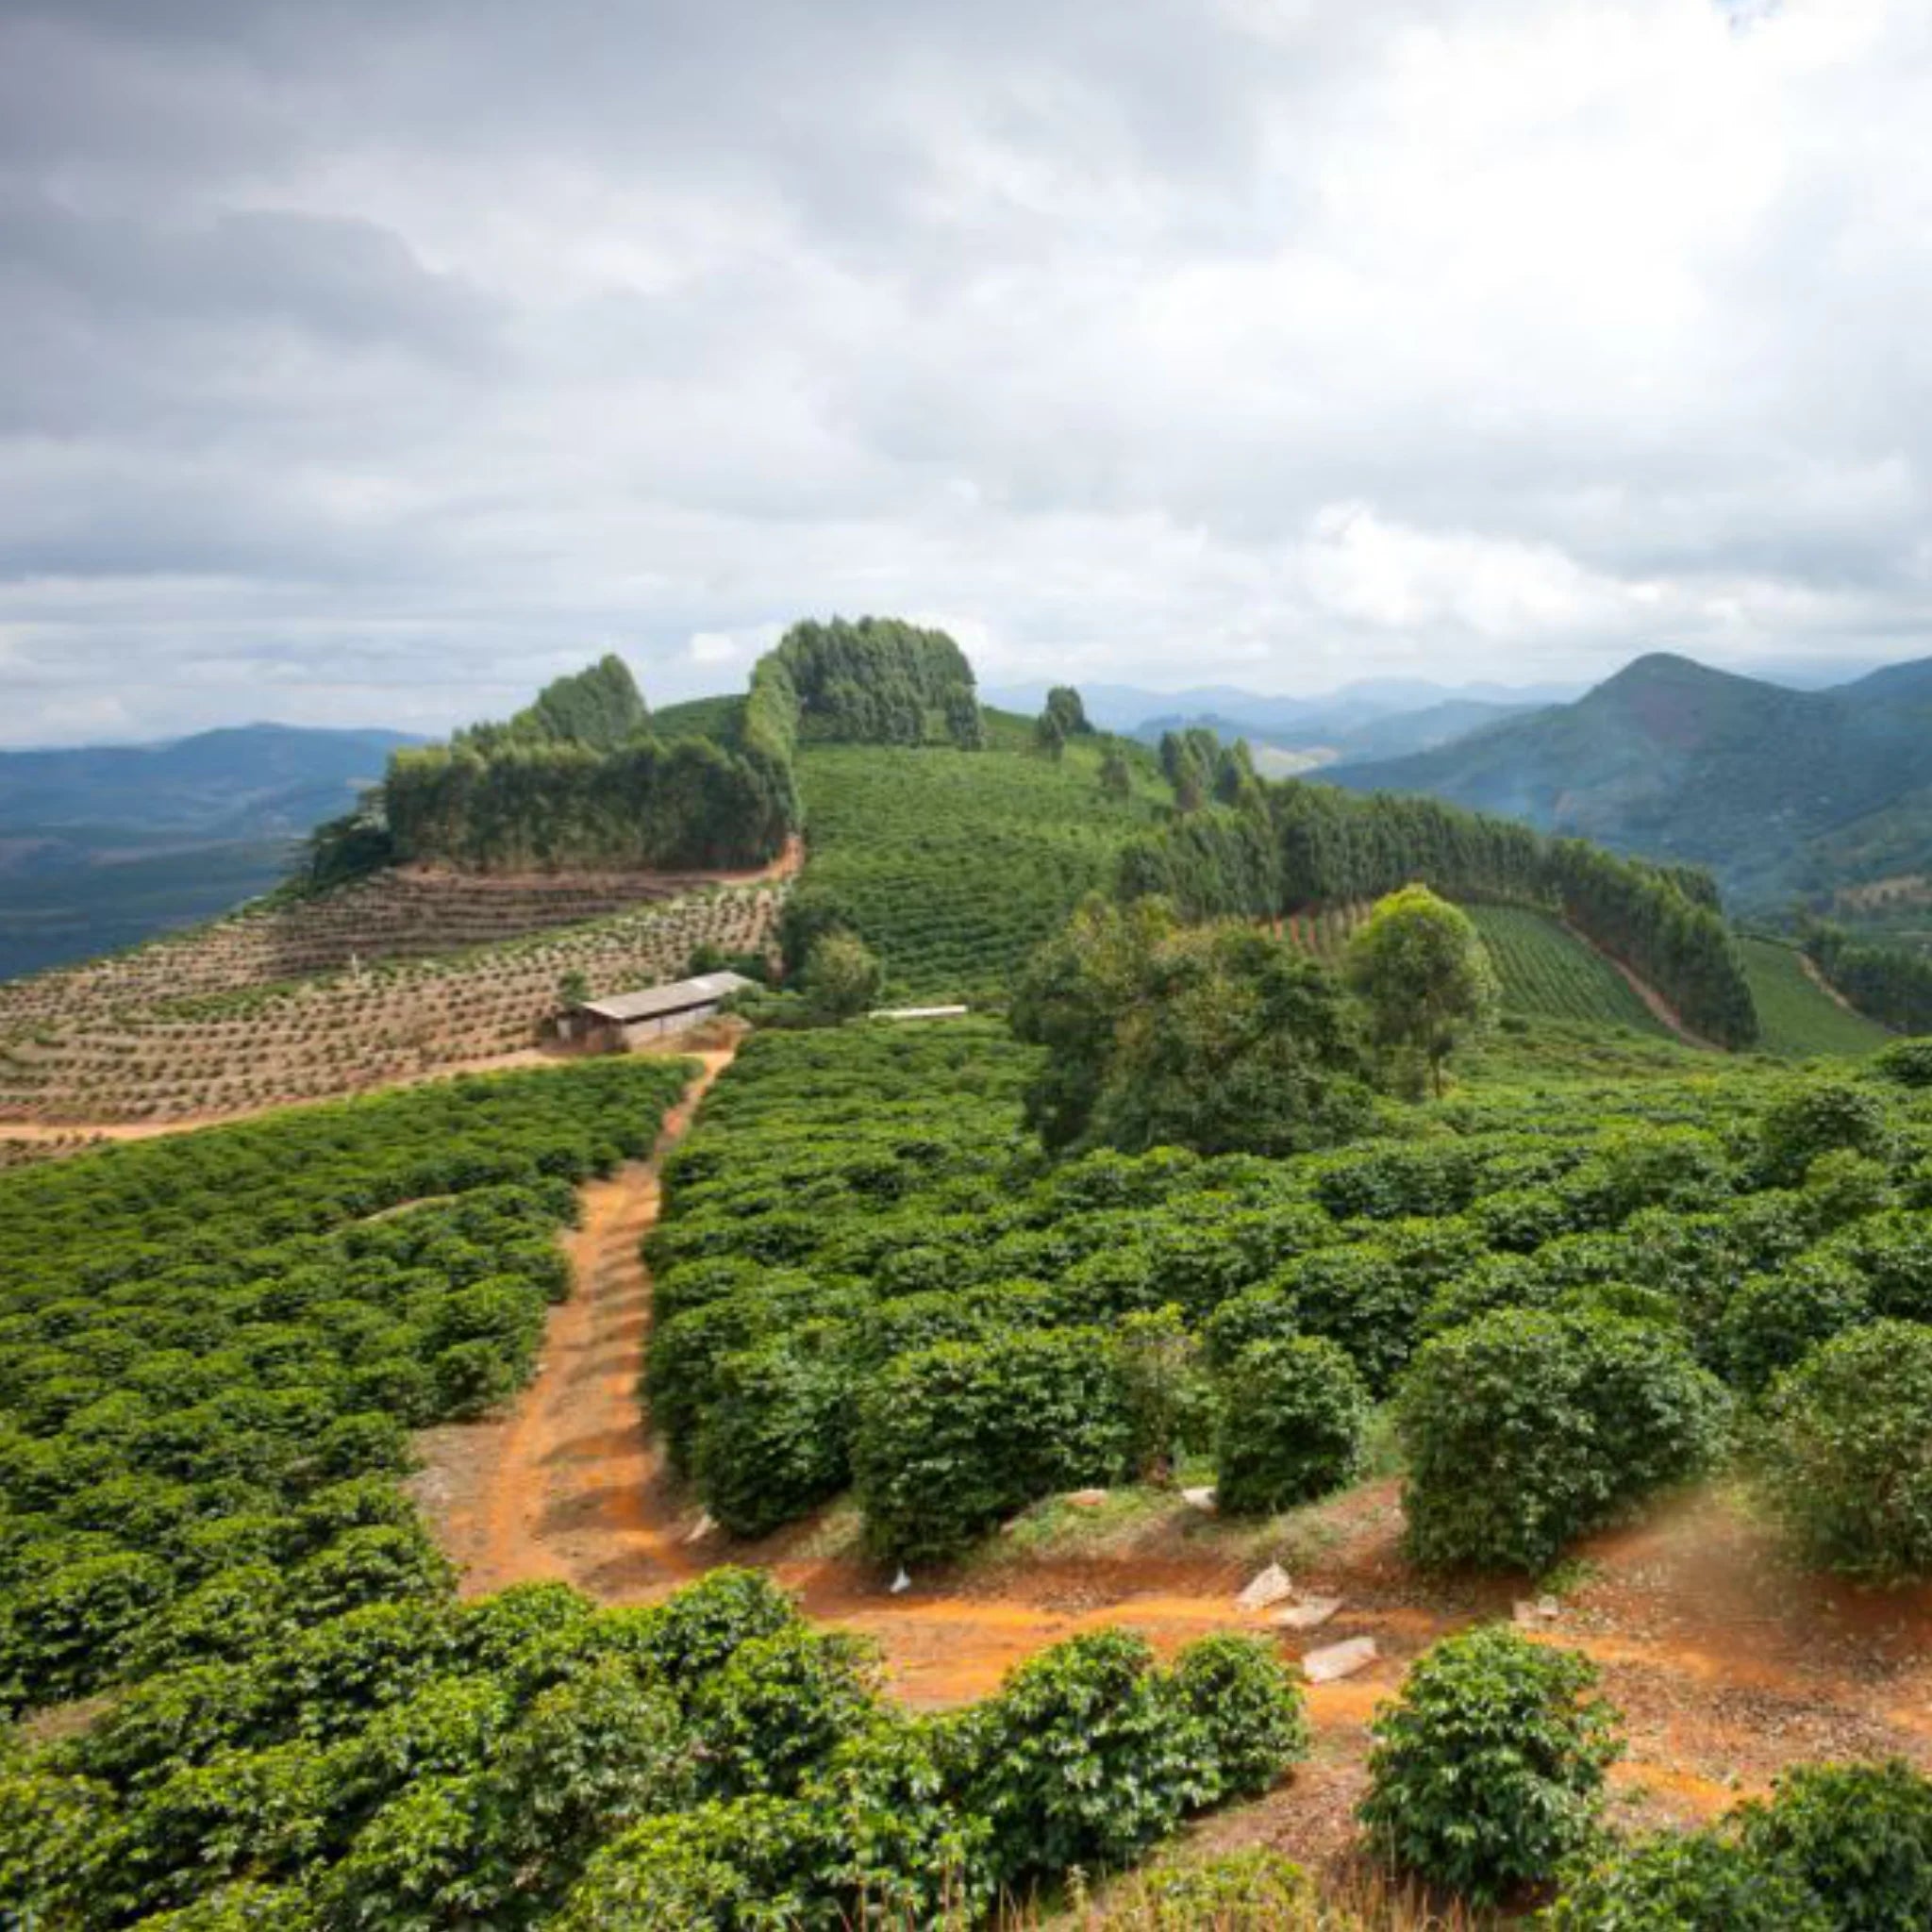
{"points": [[1268, 1313], [775, 1442], [588, 1759], [1523, 1431], [1859, 1836], [1687, 1882], [887, 1833], [58, 1841], [1487, 1771], [1820, 1116], [781, 1704], [742, 1866], [1363, 1298], [954, 1438], [1079, 1758], [1776, 1320], [1845, 1455], [1906, 1062], [1246, 1704], [432, 1858], [1293, 1418]]}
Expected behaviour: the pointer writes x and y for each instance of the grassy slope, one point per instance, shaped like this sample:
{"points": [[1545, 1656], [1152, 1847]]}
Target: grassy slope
{"points": [[1800, 1020], [954, 865], [1550, 973]]}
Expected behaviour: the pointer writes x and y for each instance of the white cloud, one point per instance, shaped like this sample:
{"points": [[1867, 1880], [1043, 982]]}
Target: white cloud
{"points": [[1285, 340]]}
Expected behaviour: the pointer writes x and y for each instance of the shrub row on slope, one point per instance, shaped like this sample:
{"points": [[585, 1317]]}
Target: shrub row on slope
{"points": [[866, 1276], [952, 868], [527, 1759], [212, 1347]]}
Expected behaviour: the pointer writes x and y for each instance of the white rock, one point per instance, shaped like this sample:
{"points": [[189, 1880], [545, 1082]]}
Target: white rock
{"points": [[1308, 1615], [1533, 1613], [901, 1583], [1199, 1499], [701, 1528], [1086, 1499], [1271, 1585], [1340, 1660]]}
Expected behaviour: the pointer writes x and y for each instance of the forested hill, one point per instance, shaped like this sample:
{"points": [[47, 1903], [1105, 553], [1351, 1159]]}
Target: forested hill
{"points": [[581, 780], [1674, 761]]}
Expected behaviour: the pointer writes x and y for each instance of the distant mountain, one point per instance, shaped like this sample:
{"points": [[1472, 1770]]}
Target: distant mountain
{"points": [[1676, 760], [103, 846], [1326, 740], [245, 780], [1278, 720]]}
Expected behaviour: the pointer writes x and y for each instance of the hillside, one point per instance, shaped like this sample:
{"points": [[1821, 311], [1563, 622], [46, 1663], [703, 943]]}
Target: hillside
{"points": [[1676, 761], [1800, 1018], [953, 866], [121, 1040], [102, 846]]}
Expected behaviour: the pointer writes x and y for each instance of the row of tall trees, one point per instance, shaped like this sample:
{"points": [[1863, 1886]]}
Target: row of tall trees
{"points": [[1885, 983], [875, 680], [1289, 847]]}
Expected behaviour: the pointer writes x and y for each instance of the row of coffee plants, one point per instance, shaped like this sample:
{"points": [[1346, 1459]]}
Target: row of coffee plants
{"points": [[212, 1348], [954, 868], [526, 1759], [869, 1279], [1486, 1778]]}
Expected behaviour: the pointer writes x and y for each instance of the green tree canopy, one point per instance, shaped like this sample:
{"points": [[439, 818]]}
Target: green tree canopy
{"points": [[1421, 968], [1217, 1038], [842, 975], [1063, 703]]}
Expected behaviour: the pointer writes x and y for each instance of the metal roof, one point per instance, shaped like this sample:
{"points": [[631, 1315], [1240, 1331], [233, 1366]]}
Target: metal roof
{"points": [[657, 1001]]}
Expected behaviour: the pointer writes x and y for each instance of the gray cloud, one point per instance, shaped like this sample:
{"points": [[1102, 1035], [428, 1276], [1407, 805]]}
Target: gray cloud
{"points": [[373, 361]]}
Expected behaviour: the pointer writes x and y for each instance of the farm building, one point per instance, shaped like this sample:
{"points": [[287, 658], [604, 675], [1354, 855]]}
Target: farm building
{"points": [[627, 1019]]}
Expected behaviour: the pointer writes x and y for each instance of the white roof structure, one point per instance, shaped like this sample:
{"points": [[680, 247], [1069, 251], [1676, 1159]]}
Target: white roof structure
{"points": [[655, 1002]]}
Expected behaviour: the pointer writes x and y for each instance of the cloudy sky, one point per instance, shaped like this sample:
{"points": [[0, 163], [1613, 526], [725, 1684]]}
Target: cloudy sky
{"points": [[372, 360]]}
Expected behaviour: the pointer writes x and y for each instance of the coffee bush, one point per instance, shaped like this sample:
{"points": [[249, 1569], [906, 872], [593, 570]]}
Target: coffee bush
{"points": [[1523, 1431], [1487, 1771], [1294, 1416], [1843, 1453]]}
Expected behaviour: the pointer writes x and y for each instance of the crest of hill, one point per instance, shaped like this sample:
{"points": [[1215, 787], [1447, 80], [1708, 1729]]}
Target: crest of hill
{"points": [[1678, 761]]}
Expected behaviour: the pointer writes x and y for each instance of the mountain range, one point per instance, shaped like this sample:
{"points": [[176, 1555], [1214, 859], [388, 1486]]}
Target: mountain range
{"points": [[104, 845], [1778, 791]]}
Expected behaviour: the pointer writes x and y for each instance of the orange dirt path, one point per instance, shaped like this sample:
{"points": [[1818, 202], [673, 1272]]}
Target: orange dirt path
{"points": [[1726, 1661]]}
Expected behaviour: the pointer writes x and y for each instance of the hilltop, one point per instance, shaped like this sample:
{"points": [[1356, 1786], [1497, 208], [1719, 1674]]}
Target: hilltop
{"points": [[1768, 787]]}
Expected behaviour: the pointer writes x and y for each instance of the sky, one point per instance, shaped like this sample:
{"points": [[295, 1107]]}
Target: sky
{"points": [[372, 361]]}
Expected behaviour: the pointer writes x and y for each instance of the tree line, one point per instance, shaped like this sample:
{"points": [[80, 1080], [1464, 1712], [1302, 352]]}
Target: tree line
{"points": [[1885, 983], [1265, 850]]}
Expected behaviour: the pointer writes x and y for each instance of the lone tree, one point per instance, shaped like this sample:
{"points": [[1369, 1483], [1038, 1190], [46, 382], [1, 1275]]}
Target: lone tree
{"points": [[1049, 734], [1421, 968], [1063, 702], [842, 975], [1116, 776]]}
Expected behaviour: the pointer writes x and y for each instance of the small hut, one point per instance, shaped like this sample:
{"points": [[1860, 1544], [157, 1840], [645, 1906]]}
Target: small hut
{"points": [[630, 1019]]}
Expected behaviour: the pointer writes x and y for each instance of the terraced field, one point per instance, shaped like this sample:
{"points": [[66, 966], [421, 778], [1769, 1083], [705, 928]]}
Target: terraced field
{"points": [[954, 865], [414, 913], [1800, 1020], [257, 1046]]}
